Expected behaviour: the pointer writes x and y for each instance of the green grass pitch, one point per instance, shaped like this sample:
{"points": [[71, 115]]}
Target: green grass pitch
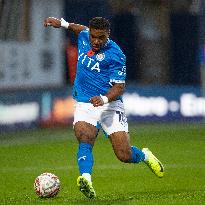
{"points": [[181, 147]]}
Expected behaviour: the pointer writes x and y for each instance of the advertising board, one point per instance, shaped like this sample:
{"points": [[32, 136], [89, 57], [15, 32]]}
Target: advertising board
{"points": [[48, 108]]}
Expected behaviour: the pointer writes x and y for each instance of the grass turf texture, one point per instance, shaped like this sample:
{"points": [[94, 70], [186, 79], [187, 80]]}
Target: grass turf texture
{"points": [[25, 155]]}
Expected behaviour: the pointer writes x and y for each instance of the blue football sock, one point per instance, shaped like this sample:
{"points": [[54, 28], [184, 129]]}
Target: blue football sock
{"points": [[137, 155], [85, 158]]}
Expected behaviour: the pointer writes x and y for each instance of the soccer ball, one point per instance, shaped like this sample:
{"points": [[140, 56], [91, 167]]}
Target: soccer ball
{"points": [[47, 185]]}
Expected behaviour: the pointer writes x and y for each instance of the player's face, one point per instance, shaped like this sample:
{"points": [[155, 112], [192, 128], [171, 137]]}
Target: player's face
{"points": [[98, 38]]}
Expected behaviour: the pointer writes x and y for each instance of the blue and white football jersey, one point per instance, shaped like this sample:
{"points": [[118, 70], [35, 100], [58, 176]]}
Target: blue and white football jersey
{"points": [[97, 71]]}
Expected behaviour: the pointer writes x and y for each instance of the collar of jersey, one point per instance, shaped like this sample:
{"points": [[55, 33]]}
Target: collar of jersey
{"points": [[106, 44]]}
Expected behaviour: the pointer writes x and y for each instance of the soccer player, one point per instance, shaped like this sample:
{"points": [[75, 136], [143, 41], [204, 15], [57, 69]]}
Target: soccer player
{"points": [[98, 89]]}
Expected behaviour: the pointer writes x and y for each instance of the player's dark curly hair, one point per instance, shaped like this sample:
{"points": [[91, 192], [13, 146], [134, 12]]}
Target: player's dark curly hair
{"points": [[99, 23]]}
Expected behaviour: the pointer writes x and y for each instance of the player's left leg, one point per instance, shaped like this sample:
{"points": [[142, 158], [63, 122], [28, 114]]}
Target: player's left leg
{"points": [[131, 154], [123, 150], [114, 123]]}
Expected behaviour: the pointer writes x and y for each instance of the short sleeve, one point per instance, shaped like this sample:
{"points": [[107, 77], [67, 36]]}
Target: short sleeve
{"points": [[83, 35], [117, 67]]}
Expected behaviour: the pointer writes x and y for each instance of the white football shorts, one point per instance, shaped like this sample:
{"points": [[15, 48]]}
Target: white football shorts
{"points": [[110, 116]]}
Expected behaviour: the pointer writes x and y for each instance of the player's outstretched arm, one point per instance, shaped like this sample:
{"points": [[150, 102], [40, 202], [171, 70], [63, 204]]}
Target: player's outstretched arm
{"points": [[58, 23]]}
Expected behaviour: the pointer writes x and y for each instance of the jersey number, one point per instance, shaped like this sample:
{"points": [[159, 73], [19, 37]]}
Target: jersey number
{"points": [[122, 117]]}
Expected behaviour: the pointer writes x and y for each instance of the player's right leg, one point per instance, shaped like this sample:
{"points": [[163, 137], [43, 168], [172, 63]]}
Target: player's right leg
{"points": [[85, 134], [86, 130], [86, 187]]}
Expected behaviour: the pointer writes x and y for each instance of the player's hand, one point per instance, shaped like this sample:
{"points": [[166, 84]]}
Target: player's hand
{"points": [[51, 21], [96, 101]]}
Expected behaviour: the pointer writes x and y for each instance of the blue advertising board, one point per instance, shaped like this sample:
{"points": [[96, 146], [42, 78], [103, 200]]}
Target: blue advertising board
{"points": [[19, 110], [171, 103], [26, 109]]}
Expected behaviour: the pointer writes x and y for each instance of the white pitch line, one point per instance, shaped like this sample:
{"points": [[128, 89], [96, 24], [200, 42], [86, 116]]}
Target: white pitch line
{"points": [[100, 167]]}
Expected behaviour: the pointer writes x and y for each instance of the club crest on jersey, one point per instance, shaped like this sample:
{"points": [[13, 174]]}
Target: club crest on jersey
{"points": [[100, 56]]}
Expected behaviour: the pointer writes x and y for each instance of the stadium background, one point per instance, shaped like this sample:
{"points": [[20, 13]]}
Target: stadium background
{"points": [[163, 42], [165, 47]]}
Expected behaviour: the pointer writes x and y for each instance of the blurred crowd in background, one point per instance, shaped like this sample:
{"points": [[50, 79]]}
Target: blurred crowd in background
{"points": [[163, 41], [160, 38]]}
